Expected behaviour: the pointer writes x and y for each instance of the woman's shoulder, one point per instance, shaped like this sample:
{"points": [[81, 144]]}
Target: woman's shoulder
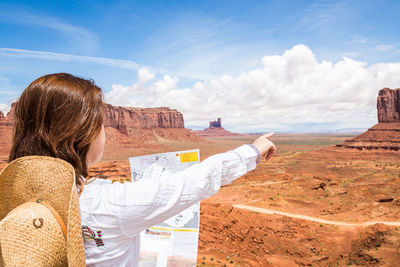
{"points": [[94, 186]]}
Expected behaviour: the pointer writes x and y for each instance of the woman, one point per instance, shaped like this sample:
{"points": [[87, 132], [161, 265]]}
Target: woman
{"points": [[60, 115]]}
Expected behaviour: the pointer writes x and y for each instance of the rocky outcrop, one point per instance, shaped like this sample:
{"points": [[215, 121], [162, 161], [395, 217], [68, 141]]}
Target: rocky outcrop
{"points": [[126, 128], [216, 123], [122, 118], [6, 128], [215, 129], [385, 134], [8, 119], [388, 105]]}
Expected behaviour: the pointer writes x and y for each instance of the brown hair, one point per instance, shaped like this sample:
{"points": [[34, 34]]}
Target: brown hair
{"points": [[58, 115]]}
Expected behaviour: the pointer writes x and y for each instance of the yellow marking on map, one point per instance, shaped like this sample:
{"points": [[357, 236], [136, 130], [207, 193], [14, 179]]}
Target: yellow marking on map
{"points": [[189, 157], [185, 230], [160, 228]]}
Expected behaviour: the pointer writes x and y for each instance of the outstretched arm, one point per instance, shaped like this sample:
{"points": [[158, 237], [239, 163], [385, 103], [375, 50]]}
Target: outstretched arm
{"points": [[145, 203]]}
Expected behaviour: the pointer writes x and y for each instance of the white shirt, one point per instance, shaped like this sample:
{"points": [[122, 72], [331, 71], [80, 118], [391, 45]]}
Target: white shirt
{"points": [[122, 210]]}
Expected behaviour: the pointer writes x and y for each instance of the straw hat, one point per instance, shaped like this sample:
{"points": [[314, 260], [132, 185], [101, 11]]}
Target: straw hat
{"points": [[38, 198]]}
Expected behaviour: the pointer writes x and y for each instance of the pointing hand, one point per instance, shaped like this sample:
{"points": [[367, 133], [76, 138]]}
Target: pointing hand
{"points": [[265, 146]]}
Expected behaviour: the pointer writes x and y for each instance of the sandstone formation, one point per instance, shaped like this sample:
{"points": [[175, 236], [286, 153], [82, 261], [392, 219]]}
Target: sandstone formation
{"points": [[6, 128], [215, 129], [126, 128], [7, 120], [122, 118], [389, 105], [386, 133], [216, 123]]}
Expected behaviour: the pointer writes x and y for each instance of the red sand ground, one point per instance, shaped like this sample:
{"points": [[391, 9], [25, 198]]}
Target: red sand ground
{"points": [[308, 176]]}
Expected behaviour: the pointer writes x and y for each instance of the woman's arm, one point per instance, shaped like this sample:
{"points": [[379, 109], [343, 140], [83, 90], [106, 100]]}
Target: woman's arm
{"points": [[144, 203]]}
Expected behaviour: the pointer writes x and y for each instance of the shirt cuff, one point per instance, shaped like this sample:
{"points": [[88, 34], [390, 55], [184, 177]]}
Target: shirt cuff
{"points": [[249, 155]]}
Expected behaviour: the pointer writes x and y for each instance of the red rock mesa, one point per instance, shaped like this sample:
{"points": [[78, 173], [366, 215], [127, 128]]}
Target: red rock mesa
{"points": [[126, 127], [386, 133]]}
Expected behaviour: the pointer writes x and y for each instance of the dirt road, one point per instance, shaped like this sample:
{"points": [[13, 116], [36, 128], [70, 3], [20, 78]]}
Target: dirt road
{"points": [[309, 218]]}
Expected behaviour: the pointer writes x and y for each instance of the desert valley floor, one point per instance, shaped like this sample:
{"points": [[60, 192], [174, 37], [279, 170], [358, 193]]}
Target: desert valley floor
{"points": [[312, 204]]}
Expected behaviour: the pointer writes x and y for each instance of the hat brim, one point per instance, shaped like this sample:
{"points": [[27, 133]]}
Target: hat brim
{"points": [[53, 180]]}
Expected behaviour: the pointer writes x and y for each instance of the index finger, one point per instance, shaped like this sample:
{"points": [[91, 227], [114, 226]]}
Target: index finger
{"points": [[268, 135]]}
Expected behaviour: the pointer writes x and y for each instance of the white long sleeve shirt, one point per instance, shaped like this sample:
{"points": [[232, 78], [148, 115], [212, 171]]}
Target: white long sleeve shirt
{"points": [[118, 212]]}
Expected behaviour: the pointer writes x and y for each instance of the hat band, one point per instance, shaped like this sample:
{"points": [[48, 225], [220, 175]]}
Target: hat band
{"points": [[56, 215]]}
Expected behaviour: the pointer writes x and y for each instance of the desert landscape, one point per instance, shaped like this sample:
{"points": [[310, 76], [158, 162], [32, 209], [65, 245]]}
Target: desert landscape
{"points": [[322, 200]]}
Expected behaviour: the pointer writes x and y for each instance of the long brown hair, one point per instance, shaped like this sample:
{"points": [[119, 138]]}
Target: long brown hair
{"points": [[58, 115]]}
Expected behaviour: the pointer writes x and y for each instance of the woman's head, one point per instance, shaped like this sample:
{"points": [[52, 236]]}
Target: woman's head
{"points": [[60, 115]]}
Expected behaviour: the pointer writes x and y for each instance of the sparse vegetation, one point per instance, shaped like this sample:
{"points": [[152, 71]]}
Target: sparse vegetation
{"points": [[353, 182]]}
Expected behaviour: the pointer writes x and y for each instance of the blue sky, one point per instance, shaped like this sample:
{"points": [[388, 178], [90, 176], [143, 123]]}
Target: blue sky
{"points": [[203, 53]]}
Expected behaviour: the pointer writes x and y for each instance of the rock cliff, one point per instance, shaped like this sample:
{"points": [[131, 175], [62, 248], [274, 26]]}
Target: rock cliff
{"points": [[388, 105], [216, 123], [7, 120], [122, 118], [386, 133], [126, 128], [6, 128]]}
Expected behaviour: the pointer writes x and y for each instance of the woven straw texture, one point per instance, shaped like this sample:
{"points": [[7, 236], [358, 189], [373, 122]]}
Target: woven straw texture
{"points": [[24, 243], [29, 178]]}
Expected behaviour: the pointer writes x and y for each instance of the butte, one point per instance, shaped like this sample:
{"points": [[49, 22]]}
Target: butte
{"points": [[215, 130], [386, 133]]}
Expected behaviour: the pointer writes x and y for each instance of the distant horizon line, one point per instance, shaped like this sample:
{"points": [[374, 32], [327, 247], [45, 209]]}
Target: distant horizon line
{"points": [[200, 128], [339, 131]]}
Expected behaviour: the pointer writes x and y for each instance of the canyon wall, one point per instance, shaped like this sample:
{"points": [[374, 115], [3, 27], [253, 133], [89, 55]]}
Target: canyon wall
{"points": [[7, 120], [6, 128], [122, 118], [126, 128]]}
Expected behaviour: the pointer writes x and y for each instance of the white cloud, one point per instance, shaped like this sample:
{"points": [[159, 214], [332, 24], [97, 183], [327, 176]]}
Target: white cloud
{"points": [[22, 53], [141, 93], [111, 62], [78, 36], [288, 89], [145, 75], [361, 41], [358, 39], [326, 15], [384, 48], [351, 54], [5, 108]]}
